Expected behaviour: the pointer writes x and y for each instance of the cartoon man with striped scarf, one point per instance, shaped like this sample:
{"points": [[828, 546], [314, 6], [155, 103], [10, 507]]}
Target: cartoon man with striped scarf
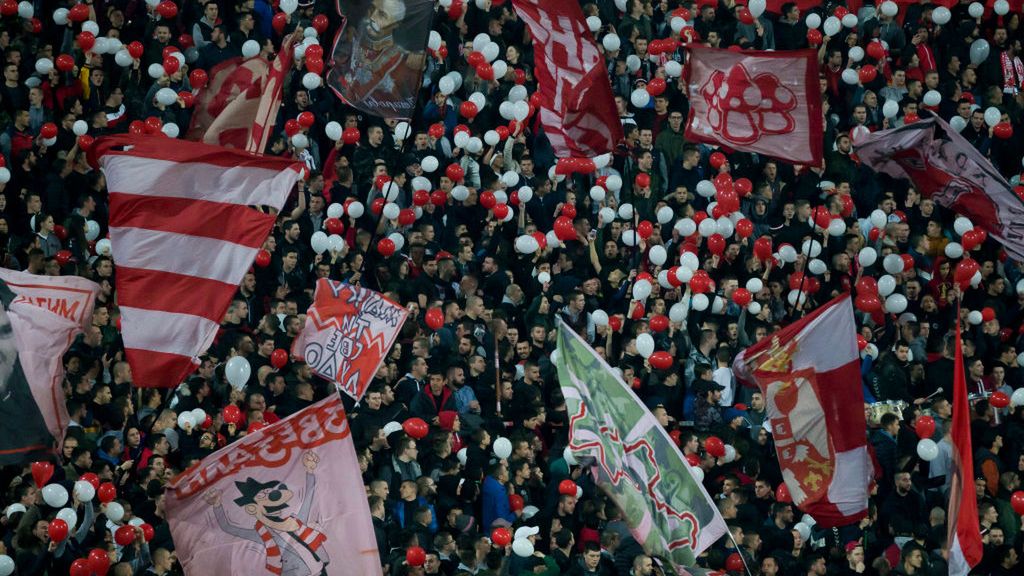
{"points": [[293, 547]]}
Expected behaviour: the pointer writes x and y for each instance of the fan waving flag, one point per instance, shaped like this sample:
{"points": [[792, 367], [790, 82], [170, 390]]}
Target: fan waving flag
{"points": [[286, 500], [948, 169], [632, 457], [576, 108], [349, 330], [183, 230], [763, 102], [379, 55], [38, 321], [963, 535], [809, 373]]}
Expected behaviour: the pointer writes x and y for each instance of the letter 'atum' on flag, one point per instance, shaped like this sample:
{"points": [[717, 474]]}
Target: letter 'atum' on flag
{"points": [[809, 373], [184, 230]]}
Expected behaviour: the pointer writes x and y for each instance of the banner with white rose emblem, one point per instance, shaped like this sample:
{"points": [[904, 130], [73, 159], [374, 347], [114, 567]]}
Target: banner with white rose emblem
{"points": [[763, 102]]}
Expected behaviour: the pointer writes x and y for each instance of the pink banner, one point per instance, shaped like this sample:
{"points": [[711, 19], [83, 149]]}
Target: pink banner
{"points": [[286, 500], [763, 102]]}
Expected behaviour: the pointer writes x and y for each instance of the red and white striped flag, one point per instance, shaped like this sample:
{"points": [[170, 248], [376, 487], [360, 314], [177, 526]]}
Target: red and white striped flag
{"points": [[576, 105], [183, 232], [809, 373], [963, 535]]}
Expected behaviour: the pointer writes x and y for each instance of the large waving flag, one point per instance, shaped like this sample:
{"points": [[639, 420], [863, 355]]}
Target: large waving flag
{"points": [[183, 231], [379, 55], [809, 373], [349, 330], [40, 317], [285, 500], [633, 459], [239, 106], [963, 535], [576, 105], [763, 102], [946, 168]]}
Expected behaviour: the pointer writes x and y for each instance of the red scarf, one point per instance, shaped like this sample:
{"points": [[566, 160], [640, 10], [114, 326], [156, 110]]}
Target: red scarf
{"points": [[308, 536], [1013, 73]]}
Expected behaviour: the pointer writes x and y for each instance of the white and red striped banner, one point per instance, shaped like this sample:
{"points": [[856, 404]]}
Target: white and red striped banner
{"points": [[183, 231], [576, 108], [963, 535], [809, 373]]}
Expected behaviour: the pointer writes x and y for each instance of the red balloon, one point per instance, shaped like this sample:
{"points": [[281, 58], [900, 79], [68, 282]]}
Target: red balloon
{"points": [[875, 50], [569, 211], [320, 23], [65, 63], [999, 399], [438, 198], [292, 127], [136, 50], [501, 211], [909, 118], [416, 428], [693, 460], [744, 228], [167, 9], [415, 556], [106, 492], [350, 135], [41, 473], [306, 119], [862, 342], [867, 285], [659, 322], [660, 360], [742, 297], [782, 493], [334, 225], [263, 258], [386, 247], [279, 21], [255, 427], [867, 74], [868, 303], [814, 37], [171, 65], [763, 248], [716, 244], [48, 130], [515, 502], [187, 98], [567, 487], [57, 529], [198, 78], [232, 414], [377, 206], [644, 229], [91, 478], [717, 160], [99, 561], [186, 41], [1017, 501], [743, 186], [420, 198], [746, 17], [677, 437], [147, 529], [615, 323], [278, 358], [642, 180], [80, 567], [714, 446], [485, 71], [63, 257], [564, 229], [455, 173], [988, 314], [124, 535], [924, 426], [734, 563], [468, 109], [436, 130], [434, 318], [1003, 130], [964, 271], [501, 536], [77, 13], [86, 40]]}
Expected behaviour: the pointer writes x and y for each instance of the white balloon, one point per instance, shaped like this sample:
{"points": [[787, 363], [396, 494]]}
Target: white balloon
{"points": [[123, 58], [941, 15], [927, 449], [889, 8], [288, 6], [600, 317], [707, 227], [665, 215], [705, 188], [69, 516], [700, 302], [91, 27], [657, 255], [626, 211], [689, 261], [633, 63], [641, 289], [155, 70], [812, 21], [867, 256], [552, 238], [526, 244], [850, 76], [60, 18], [756, 7], [673, 69], [613, 183], [186, 421], [523, 547], [896, 304], [310, 80], [434, 41], [84, 491], [114, 512], [611, 42], [5, 175], [335, 243], [684, 274], [698, 473], [811, 248], [856, 53], [645, 345], [992, 116], [878, 219], [836, 227], [55, 495], [890, 109], [92, 230], [1017, 398], [962, 225], [976, 10], [849, 21], [594, 24], [525, 194], [677, 313], [462, 455], [428, 164], [686, 226], [567, 454], [237, 371], [804, 530], [79, 127], [597, 194], [1001, 7], [333, 130], [502, 448], [166, 96], [932, 98], [398, 239], [44, 65], [957, 123], [356, 209], [832, 26], [754, 285], [446, 85], [974, 317], [300, 141], [954, 250], [796, 294], [639, 98], [817, 267], [893, 264], [886, 285], [787, 253]]}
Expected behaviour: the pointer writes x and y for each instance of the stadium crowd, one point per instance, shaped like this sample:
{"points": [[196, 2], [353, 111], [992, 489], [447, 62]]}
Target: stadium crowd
{"points": [[485, 371]]}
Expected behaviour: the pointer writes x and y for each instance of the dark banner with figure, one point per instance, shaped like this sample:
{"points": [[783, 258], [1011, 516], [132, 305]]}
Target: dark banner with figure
{"points": [[378, 57]]}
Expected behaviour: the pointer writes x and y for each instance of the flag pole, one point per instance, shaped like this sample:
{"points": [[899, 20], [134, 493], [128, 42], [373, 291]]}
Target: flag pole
{"points": [[739, 551]]}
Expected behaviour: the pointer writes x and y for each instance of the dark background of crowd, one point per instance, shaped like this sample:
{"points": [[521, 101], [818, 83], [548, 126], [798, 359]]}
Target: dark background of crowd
{"points": [[500, 306]]}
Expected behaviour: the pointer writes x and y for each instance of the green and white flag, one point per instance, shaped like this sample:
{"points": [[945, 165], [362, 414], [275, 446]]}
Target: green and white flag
{"points": [[633, 459]]}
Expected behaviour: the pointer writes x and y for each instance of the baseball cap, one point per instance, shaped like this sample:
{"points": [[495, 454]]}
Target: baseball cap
{"points": [[852, 545], [526, 531]]}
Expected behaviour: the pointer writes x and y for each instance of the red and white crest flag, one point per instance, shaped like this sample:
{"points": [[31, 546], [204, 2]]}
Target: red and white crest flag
{"points": [[239, 106], [349, 330], [946, 168], [963, 535], [183, 231], [763, 102], [39, 318], [285, 500], [577, 109], [809, 373]]}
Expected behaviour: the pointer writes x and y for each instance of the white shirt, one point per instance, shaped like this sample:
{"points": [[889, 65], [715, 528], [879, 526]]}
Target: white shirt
{"points": [[724, 377]]}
